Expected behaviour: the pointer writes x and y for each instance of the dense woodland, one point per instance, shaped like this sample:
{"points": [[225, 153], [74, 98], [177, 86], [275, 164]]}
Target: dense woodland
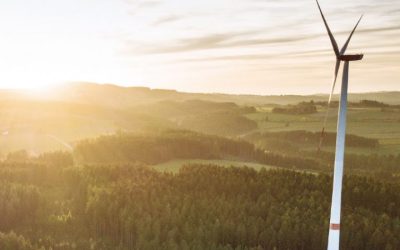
{"points": [[105, 196], [130, 206]]}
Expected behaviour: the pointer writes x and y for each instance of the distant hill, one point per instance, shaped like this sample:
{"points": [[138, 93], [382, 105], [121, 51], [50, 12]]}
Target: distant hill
{"points": [[47, 121], [117, 95]]}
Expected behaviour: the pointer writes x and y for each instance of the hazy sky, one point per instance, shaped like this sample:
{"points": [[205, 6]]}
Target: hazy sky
{"points": [[233, 46]]}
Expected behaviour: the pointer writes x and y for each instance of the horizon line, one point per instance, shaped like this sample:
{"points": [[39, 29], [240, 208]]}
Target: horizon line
{"points": [[58, 85]]}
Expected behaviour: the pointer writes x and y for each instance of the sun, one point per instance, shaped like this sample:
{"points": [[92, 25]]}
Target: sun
{"points": [[40, 88], [26, 82], [42, 60], [33, 70]]}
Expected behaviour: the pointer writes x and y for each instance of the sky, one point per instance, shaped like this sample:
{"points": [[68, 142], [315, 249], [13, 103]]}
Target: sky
{"points": [[229, 46]]}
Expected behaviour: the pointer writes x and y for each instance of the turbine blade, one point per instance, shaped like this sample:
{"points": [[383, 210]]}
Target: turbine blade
{"points": [[328, 104], [343, 50], [333, 41]]}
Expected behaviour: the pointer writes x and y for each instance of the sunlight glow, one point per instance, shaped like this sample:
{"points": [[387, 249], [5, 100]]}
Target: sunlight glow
{"points": [[266, 49]]}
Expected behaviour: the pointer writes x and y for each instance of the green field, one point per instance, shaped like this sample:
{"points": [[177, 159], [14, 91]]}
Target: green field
{"points": [[366, 122], [174, 165]]}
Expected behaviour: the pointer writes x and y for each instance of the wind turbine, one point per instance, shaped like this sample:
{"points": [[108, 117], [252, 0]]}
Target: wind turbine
{"points": [[334, 224]]}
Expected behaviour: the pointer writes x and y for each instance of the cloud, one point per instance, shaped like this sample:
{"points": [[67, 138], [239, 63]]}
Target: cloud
{"points": [[381, 29], [148, 4], [231, 58], [143, 3], [213, 41], [136, 6], [237, 39], [167, 19], [258, 56]]}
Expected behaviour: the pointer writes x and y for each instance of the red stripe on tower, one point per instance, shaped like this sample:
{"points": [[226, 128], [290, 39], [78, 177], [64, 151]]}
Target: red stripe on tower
{"points": [[335, 226]]}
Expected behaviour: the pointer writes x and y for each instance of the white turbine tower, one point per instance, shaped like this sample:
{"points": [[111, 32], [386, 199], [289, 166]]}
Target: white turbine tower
{"points": [[334, 224]]}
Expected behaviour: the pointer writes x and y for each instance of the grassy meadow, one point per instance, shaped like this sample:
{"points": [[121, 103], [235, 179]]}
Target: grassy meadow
{"points": [[366, 122], [175, 165]]}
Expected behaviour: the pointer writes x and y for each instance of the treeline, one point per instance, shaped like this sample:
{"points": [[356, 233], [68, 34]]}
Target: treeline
{"points": [[303, 137], [384, 166], [360, 104], [160, 147], [301, 108], [178, 144], [58, 159], [170, 109], [369, 104]]}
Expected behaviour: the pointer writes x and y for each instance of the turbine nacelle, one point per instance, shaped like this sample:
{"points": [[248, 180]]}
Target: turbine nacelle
{"points": [[347, 58]]}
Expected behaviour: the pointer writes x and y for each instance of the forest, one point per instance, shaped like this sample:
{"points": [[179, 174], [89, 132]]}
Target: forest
{"points": [[130, 206], [104, 195]]}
